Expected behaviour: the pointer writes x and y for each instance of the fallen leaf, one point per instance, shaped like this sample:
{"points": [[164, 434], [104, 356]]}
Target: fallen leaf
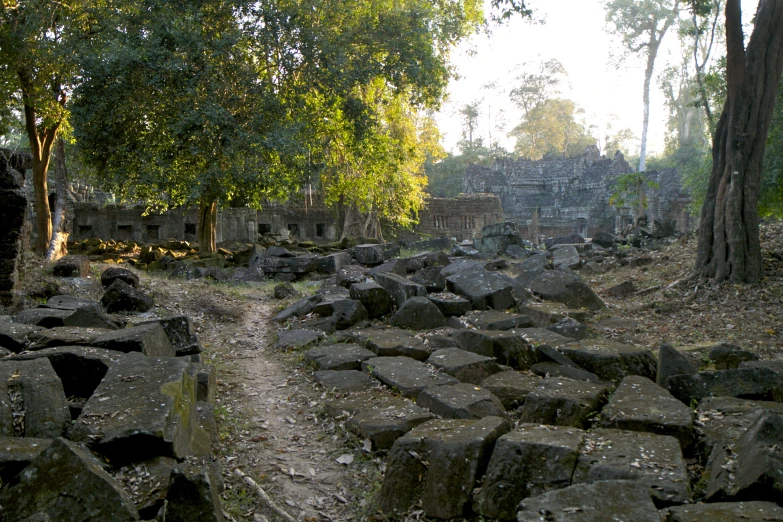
{"points": [[346, 459]]}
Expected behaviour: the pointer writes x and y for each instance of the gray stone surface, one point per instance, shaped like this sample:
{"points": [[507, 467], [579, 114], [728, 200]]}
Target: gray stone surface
{"points": [[352, 274], [374, 297], [493, 320], [484, 289], [182, 336], [113, 273], [297, 338], [450, 304], [538, 336], [571, 328], [63, 336], [15, 336], [369, 254], [655, 460], [347, 313], [466, 366], [567, 256], [341, 356], [16, 453], [615, 500], [67, 484], [554, 285], [406, 375], [149, 339], [393, 342], [32, 400], [45, 317], [564, 402], [611, 360], [638, 404], [526, 462], [506, 347], [748, 383], [511, 387], [727, 356], [755, 511], [194, 494], [672, 362], [418, 313], [438, 464], [460, 401], [69, 302], [121, 297], [92, 317], [430, 278], [621, 290], [552, 369], [344, 381], [400, 288]]}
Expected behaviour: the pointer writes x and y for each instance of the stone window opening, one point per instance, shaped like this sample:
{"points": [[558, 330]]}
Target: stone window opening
{"points": [[124, 232], [85, 230], [264, 228], [293, 228], [190, 228], [153, 231], [319, 229]]}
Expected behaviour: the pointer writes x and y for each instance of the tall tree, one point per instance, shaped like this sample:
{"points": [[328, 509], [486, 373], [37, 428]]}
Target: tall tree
{"points": [[641, 25], [552, 127], [729, 247]]}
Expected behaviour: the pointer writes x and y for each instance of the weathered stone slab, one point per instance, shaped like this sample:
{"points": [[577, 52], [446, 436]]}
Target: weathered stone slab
{"points": [[460, 401], [752, 468], [747, 383], [506, 347], [352, 274], [69, 302], [671, 362], [347, 313], [493, 320], [369, 254], [466, 366], [655, 460], [615, 500], [567, 256], [340, 356], [450, 304], [45, 317], [527, 462], [400, 289], [149, 339], [374, 297], [92, 317], [298, 309], [430, 278], [113, 273], [145, 407], [16, 453], [71, 266], [344, 381], [537, 336], [205, 378], [427, 260], [66, 483], [15, 336], [726, 356], [638, 404], [484, 289], [755, 511], [194, 494], [406, 375], [147, 482], [32, 400], [438, 464], [393, 266], [394, 342], [297, 338], [332, 263], [378, 416], [511, 387], [564, 402], [552, 369], [554, 285], [418, 313], [571, 328], [181, 334], [611, 360], [121, 297], [63, 336]]}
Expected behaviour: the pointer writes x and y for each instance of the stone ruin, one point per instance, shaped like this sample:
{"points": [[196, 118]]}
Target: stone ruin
{"points": [[13, 206], [571, 195]]}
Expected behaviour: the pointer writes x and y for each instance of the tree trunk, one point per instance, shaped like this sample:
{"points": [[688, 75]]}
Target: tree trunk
{"points": [[729, 247], [652, 52], [58, 246], [207, 224]]}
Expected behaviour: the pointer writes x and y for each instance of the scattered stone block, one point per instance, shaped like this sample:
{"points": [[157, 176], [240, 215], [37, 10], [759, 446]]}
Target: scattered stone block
{"points": [[620, 500], [71, 266], [66, 483], [332, 263], [121, 297], [338, 356], [369, 254], [506, 347], [351, 275], [511, 387], [755, 511], [430, 278], [424, 260], [145, 407], [111, 274], [347, 313], [728, 356], [63, 336], [344, 381], [394, 342], [400, 289], [149, 339], [91, 317], [611, 360], [671, 362], [418, 313], [438, 464], [747, 383], [529, 461], [147, 482], [15, 337], [450, 304], [492, 320], [378, 416], [374, 297], [44, 317], [572, 328], [552, 369], [638, 404], [460, 401], [624, 289], [194, 494], [32, 400], [69, 302], [527, 275], [564, 402], [604, 239], [393, 266], [567, 256], [466, 366], [205, 379], [406, 375], [539, 336], [182, 336], [16, 453], [655, 460], [554, 285], [297, 338], [484, 289]]}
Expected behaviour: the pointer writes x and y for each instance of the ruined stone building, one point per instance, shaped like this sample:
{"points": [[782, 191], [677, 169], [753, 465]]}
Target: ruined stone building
{"points": [[572, 194]]}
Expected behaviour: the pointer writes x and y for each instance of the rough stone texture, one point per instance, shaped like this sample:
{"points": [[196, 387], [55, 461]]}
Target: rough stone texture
{"points": [[566, 256], [149, 339], [378, 416], [15, 336], [655, 460], [406, 375], [297, 338], [16, 453], [624, 289], [63, 336], [90, 317], [298, 309], [418, 313], [393, 266], [671, 362], [564, 402], [725, 511], [527, 462], [639, 404], [466, 366], [615, 500], [751, 469], [370, 255], [67, 484], [332, 263], [450, 304], [455, 451], [430, 278], [511, 387], [181, 334], [347, 313], [604, 239], [460, 401], [13, 207], [748, 383], [352, 274], [611, 360], [111, 274], [484, 289], [572, 328], [156, 401], [45, 317], [424, 260], [554, 285], [121, 297], [32, 400], [205, 378], [400, 289], [338, 356], [552, 369], [69, 302], [194, 494], [344, 381], [505, 346], [728, 356], [540, 336], [374, 297], [71, 266], [394, 342], [492, 320]]}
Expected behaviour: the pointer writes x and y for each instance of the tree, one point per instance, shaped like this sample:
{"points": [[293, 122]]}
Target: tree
{"points": [[470, 117], [729, 248], [641, 25], [630, 190], [534, 88], [551, 127]]}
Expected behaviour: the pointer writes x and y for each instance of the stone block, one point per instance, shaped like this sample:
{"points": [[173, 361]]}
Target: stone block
{"points": [[71, 266], [564, 402], [45, 317], [393, 266], [460, 401], [121, 297], [63, 336], [727, 356], [484, 289], [111, 274], [748, 383], [374, 297], [332, 263], [572, 328], [450, 304], [511, 387], [466, 366], [32, 400], [205, 379], [418, 313], [149, 339], [369, 255], [297, 338], [554, 285], [16, 453], [182, 336], [493, 320], [194, 494], [529, 461], [400, 289], [553, 369], [671, 362], [406, 375], [505, 346], [92, 317], [352, 274], [438, 464], [347, 313], [567, 256], [611, 360], [754, 511], [298, 309], [430, 278], [344, 381], [338, 356], [540, 336], [621, 290], [15, 336], [69, 302]]}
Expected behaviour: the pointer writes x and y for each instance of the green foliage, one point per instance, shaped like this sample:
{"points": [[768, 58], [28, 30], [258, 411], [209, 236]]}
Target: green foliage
{"points": [[629, 190], [771, 199], [445, 175], [552, 127]]}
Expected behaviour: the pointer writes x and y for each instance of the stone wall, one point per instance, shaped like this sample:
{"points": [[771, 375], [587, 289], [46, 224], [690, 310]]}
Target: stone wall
{"points": [[572, 194], [13, 207], [461, 217]]}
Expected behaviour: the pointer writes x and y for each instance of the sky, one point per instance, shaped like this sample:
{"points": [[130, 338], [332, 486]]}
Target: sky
{"points": [[573, 32]]}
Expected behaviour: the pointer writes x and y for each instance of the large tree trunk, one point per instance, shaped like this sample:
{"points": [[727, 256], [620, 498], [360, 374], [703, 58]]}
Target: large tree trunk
{"points": [[58, 246], [729, 247], [207, 224]]}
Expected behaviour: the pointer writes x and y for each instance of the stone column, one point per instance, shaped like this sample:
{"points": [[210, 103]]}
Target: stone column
{"points": [[13, 206]]}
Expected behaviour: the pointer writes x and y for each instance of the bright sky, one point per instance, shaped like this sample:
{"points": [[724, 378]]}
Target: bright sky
{"points": [[574, 33]]}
